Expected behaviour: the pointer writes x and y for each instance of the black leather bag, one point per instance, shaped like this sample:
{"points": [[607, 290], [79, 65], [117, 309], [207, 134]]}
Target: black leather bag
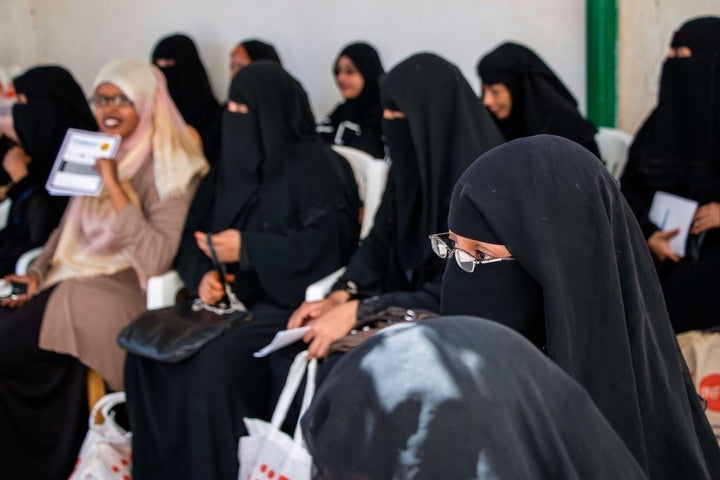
{"points": [[175, 333]]}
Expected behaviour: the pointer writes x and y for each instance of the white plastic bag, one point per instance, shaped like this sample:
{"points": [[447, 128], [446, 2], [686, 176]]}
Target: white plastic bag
{"points": [[106, 451], [267, 452], [702, 354]]}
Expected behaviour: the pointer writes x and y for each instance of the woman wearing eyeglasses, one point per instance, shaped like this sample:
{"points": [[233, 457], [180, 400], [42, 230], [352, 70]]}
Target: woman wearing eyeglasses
{"points": [[88, 282], [356, 122], [541, 239], [49, 102]]}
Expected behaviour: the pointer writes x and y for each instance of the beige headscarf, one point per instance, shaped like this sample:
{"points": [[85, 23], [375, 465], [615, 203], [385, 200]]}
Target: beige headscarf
{"points": [[87, 246]]}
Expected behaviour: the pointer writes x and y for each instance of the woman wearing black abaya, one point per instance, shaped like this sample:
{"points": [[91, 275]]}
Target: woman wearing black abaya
{"points": [[189, 86], [677, 151], [249, 51], [526, 98], [464, 398], [356, 122], [283, 211], [434, 126], [543, 241], [51, 101]]}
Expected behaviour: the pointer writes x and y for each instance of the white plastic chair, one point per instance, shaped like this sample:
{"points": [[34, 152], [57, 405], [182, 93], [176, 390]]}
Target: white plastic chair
{"points": [[371, 176], [613, 145], [23, 263]]}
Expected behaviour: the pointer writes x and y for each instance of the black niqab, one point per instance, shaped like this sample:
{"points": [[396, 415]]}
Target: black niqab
{"points": [[458, 397], [677, 149], [55, 102], [562, 216], [188, 82], [447, 128], [259, 50], [541, 103]]}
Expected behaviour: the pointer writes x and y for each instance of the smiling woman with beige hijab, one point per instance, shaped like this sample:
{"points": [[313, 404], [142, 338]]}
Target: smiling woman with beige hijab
{"points": [[88, 282]]}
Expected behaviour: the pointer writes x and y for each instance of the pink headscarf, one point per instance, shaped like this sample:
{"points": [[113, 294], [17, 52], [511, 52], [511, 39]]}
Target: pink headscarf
{"points": [[87, 245]]}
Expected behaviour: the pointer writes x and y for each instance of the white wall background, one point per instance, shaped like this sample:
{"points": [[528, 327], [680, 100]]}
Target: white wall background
{"points": [[85, 34]]}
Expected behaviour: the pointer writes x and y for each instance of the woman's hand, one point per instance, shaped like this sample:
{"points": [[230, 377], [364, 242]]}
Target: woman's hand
{"points": [[31, 281], [15, 163], [310, 310], [226, 243], [331, 326], [211, 290], [107, 168], [659, 243], [707, 217]]}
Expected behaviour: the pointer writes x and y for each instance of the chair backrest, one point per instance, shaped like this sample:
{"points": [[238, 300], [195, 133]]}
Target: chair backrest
{"points": [[613, 145], [370, 176]]}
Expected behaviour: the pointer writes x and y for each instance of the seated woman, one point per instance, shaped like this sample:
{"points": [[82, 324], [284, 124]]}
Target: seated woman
{"points": [[178, 58], [282, 210], [543, 242], [395, 265], [458, 397], [49, 102], [677, 151], [88, 282], [526, 98], [356, 122]]}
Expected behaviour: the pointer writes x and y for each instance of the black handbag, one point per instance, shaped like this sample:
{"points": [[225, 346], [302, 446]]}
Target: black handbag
{"points": [[175, 333]]}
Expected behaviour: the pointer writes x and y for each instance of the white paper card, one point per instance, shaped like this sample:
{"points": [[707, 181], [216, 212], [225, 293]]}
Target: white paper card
{"points": [[73, 172], [669, 212], [282, 339], [4, 212]]}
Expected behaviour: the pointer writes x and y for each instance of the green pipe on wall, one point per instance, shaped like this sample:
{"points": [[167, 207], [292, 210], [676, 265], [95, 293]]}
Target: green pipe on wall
{"points": [[602, 26]]}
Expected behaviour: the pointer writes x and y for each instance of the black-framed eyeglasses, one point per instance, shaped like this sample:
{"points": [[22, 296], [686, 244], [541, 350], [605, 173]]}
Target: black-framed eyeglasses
{"points": [[116, 100], [444, 247]]}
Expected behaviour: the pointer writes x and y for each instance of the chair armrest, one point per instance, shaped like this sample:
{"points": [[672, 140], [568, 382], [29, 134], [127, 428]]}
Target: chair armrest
{"points": [[23, 263], [162, 290], [319, 290]]}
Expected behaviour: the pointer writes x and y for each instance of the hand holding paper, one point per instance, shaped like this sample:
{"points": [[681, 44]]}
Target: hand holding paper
{"points": [[671, 212]]}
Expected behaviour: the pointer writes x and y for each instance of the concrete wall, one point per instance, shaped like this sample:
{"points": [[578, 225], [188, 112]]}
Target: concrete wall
{"points": [[85, 34], [645, 30]]}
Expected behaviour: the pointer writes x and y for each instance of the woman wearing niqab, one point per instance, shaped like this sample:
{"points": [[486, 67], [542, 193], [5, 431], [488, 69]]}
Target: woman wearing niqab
{"points": [[583, 288], [52, 102], [458, 397], [435, 127], [677, 150], [356, 122], [539, 102], [188, 83], [293, 204]]}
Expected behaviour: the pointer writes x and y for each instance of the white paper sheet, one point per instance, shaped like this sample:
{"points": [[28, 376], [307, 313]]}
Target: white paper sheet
{"points": [[669, 212], [282, 339], [72, 172]]}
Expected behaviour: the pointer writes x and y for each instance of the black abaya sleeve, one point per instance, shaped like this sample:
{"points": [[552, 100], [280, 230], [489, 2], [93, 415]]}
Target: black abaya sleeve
{"points": [[631, 183], [287, 262], [190, 262], [32, 211]]}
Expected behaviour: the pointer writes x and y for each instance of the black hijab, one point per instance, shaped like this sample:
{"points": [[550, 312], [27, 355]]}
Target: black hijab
{"points": [[445, 130], [55, 103], [259, 50], [365, 109], [188, 82], [540, 101], [677, 149], [458, 397], [562, 216]]}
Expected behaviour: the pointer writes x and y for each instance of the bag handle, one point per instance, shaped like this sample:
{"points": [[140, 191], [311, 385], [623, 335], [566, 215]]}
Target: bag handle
{"points": [[294, 378], [104, 405], [232, 304]]}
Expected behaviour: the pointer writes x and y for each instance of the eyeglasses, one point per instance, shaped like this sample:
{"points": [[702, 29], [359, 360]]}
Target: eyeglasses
{"points": [[443, 246], [116, 101]]}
